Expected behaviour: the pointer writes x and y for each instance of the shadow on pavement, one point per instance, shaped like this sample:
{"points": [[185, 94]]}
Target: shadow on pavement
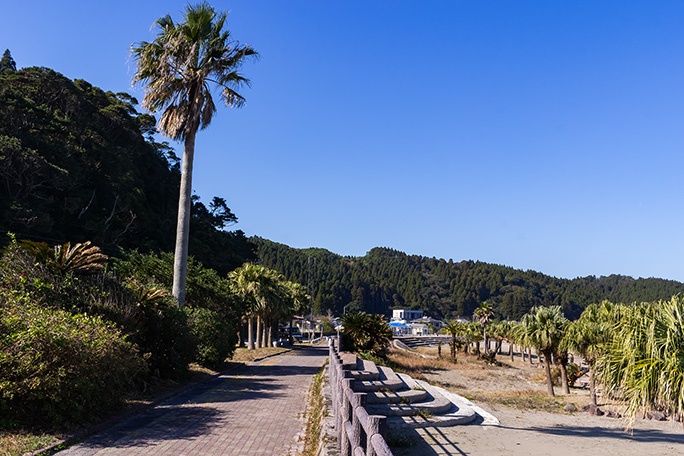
{"points": [[638, 435], [432, 442], [157, 424]]}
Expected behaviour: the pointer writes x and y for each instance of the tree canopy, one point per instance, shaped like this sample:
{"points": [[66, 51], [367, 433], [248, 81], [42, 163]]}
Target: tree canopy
{"points": [[78, 163], [385, 278]]}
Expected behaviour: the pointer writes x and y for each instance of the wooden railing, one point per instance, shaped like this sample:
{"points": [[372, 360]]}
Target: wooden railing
{"points": [[358, 433]]}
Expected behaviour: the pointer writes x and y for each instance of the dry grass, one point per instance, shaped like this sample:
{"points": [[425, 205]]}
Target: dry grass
{"points": [[242, 355], [526, 400], [511, 384], [15, 443]]}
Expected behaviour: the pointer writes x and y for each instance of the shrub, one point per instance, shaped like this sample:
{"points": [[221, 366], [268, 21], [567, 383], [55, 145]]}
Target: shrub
{"points": [[366, 332], [215, 338], [60, 367], [166, 341]]}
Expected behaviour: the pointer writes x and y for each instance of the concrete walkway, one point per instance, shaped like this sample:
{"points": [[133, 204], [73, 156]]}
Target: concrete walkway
{"points": [[256, 412]]}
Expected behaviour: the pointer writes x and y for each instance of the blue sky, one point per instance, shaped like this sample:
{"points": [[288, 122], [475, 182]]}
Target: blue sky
{"points": [[544, 135]]}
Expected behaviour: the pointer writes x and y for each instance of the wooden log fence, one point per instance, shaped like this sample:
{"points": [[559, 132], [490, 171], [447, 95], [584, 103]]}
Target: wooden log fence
{"points": [[358, 433]]}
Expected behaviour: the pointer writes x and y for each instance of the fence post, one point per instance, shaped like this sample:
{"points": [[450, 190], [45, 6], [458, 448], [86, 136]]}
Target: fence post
{"points": [[347, 412], [377, 424], [358, 400]]}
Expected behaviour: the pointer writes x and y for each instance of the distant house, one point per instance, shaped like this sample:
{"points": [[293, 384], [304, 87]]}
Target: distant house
{"points": [[436, 324], [406, 315], [419, 329]]}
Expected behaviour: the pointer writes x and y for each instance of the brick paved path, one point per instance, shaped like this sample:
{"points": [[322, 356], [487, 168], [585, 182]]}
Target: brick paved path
{"points": [[255, 412]]}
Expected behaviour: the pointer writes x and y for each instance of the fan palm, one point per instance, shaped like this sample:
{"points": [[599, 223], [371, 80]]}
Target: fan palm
{"points": [[645, 362], [253, 283], [178, 69], [588, 336], [543, 328], [483, 314], [455, 329]]}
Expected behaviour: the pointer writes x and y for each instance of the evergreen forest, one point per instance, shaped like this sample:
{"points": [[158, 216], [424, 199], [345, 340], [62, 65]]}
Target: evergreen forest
{"points": [[80, 164], [384, 279]]}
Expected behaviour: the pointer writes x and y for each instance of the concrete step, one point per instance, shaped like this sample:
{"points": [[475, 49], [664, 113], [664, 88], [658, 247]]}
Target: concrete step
{"points": [[387, 381], [408, 396], [433, 404], [462, 412]]}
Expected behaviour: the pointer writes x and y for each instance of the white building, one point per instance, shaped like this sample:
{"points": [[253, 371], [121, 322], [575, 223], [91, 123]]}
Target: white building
{"points": [[406, 315]]}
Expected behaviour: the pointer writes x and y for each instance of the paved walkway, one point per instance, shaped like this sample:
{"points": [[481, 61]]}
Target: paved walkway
{"points": [[256, 412]]}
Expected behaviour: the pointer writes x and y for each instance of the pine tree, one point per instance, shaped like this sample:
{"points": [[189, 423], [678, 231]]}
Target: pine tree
{"points": [[7, 63]]}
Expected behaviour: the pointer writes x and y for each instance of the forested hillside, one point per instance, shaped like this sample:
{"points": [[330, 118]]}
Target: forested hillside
{"points": [[387, 278], [78, 163]]}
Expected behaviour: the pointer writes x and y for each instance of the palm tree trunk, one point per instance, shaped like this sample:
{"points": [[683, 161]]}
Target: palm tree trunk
{"points": [[267, 335], [263, 332], [250, 333], [258, 331], [547, 369], [510, 351], [529, 356], [180, 258], [564, 377], [592, 386]]}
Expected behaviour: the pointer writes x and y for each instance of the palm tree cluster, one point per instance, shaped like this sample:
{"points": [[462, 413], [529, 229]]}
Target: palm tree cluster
{"points": [[270, 299], [635, 353]]}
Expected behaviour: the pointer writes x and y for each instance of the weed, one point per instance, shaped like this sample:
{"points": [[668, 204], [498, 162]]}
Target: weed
{"points": [[314, 414], [424, 413]]}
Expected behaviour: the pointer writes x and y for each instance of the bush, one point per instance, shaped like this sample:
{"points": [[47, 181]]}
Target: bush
{"points": [[572, 370], [166, 341], [215, 338], [366, 332], [58, 367]]}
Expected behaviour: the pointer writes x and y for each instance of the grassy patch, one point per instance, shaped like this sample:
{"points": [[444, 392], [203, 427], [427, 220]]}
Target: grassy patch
{"points": [[415, 365], [524, 400], [16, 443], [242, 355], [315, 411]]}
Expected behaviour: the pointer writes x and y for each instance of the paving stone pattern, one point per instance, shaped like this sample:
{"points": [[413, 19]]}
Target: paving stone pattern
{"points": [[256, 412]]}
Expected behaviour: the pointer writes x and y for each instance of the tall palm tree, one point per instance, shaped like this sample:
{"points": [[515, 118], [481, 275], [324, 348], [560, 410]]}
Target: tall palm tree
{"points": [[178, 70], [253, 283], [588, 336], [483, 314], [543, 328], [455, 329], [298, 302]]}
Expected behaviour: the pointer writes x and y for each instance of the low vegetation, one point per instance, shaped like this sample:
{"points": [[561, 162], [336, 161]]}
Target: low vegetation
{"points": [[315, 413]]}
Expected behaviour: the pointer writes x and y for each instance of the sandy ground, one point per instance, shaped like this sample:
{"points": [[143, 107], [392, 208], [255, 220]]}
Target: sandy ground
{"points": [[542, 433], [533, 432]]}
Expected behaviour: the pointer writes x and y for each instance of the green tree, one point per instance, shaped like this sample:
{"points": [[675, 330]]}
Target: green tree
{"points": [[645, 361], [366, 332], [455, 329], [7, 62], [588, 336], [482, 314], [177, 69], [256, 286], [543, 328]]}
